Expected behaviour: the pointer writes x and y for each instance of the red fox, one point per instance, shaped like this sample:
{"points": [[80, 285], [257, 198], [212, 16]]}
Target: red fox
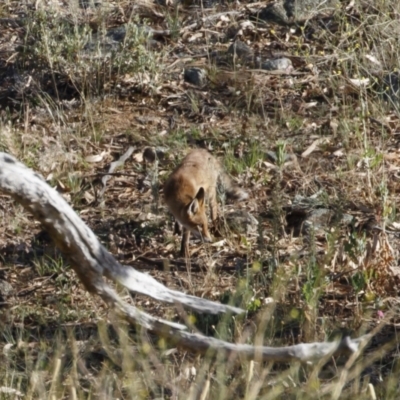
{"points": [[187, 188]]}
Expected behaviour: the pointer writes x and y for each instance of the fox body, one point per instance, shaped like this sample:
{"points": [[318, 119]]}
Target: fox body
{"points": [[188, 188]]}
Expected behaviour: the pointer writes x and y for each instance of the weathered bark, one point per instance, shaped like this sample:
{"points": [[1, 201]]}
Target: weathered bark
{"points": [[91, 261], [114, 165]]}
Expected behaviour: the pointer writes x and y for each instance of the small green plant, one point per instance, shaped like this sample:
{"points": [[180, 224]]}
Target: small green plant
{"points": [[134, 55], [177, 138], [280, 153], [255, 154], [294, 122], [355, 246], [311, 289], [250, 158], [90, 64], [48, 266], [174, 23], [74, 182], [254, 305], [314, 281], [155, 185], [359, 281]]}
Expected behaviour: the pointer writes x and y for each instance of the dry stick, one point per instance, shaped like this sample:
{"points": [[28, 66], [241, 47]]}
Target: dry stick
{"points": [[160, 263], [91, 262], [114, 165], [88, 257]]}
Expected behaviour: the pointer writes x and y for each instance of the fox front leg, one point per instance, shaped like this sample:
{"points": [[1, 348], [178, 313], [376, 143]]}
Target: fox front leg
{"points": [[177, 228], [212, 202], [185, 243]]}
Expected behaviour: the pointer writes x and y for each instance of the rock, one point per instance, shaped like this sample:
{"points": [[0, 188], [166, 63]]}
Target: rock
{"points": [[281, 64], [89, 3], [272, 156], [287, 12], [190, 3], [118, 33], [150, 154], [232, 31], [244, 28], [240, 50], [195, 76], [319, 218], [112, 39], [301, 10], [5, 289], [274, 12], [196, 3], [309, 215], [391, 87], [241, 221]]}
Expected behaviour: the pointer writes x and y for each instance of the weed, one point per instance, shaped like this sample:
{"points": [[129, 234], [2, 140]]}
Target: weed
{"points": [[250, 159], [78, 61], [280, 154], [49, 266], [174, 23]]}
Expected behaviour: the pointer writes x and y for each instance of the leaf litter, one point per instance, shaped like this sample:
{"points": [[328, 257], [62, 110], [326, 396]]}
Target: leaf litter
{"points": [[239, 112]]}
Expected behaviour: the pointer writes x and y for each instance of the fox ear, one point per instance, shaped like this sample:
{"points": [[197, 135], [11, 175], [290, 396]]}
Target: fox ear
{"points": [[193, 207], [201, 194], [196, 202]]}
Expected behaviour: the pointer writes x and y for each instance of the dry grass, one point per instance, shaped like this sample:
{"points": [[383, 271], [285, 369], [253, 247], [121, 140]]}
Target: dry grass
{"points": [[321, 138]]}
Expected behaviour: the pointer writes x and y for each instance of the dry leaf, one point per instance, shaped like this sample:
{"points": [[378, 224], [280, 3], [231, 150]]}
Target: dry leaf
{"points": [[95, 158], [363, 82], [314, 145]]}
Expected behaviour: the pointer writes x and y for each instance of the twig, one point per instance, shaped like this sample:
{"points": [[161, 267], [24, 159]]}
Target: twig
{"points": [[114, 165]]}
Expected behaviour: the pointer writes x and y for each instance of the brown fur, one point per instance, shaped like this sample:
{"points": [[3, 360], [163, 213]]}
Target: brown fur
{"points": [[189, 186]]}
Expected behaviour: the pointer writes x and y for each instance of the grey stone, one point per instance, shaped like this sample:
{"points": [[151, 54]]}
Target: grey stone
{"points": [[293, 11], [241, 51], [274, 12], [5, 288], [241, 221], [111, 40], [118, 33], [195, 76], [309, 215], [301, 10], [151, 154], [391, 87], [272, 156], [90, 3], [193, 3], [320, 218], [273, 64]]}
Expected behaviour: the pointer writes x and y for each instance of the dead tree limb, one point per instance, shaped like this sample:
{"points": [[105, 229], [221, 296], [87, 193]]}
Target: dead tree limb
{"points": [[91, 261], [113, 166], [88, 257]]}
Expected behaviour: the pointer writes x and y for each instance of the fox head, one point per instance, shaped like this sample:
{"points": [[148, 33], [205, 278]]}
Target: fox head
{"points": [[195, 218]]}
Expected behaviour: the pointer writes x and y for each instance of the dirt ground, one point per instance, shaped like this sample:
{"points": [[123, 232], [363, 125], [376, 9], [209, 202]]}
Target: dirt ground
{"points": [[314, 144]]}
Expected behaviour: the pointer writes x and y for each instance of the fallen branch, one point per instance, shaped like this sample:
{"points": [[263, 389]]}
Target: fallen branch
{"points": [[91, 261], [166, 264], [114, 165]]}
